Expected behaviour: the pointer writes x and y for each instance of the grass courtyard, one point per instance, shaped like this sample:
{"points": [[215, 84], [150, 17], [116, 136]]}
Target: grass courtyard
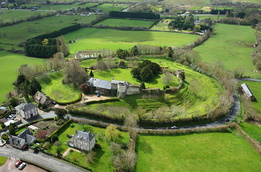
{"points": [[229, 49], [196, 152]]}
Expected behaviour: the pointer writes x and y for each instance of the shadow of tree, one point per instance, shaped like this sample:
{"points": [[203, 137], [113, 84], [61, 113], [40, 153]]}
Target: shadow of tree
{"points": [[145, 147]]}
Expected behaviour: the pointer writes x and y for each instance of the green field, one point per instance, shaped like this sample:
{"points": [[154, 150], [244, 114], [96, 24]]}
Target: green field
{"points": [[230, 49], [53, 87], [252, 130], [112, 7], [13, 15], [9, 70], [255, 89], [34, 28], [196, 152], [2, 160], [102, 158], [66, 7], [98, 39], [125, 22]]}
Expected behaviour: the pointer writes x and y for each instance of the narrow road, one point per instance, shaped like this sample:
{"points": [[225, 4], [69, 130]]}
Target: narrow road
{"points": [[51, 163]]}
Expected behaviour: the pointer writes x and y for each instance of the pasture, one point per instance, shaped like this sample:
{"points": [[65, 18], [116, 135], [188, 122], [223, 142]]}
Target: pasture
{"points": [[101, 160], [112, 7], [9, 66], [125, 22], [11, 36], [66, 7], [98, 39], [200, 152], [252, 130], [229, 49], [255, 89], [53, 87], [13, 15]]}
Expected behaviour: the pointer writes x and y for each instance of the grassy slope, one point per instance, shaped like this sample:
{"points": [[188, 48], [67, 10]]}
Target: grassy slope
{"points": [[255, 89], [124, 22], [252, 130], [9, 66], [53, 87], [112, 7], [200, 152], [102, 157], [34, 28], [224, 47], [91, 38]]}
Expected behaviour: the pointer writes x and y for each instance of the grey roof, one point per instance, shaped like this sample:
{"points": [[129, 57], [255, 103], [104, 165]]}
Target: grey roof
{"points": [[246, 90], [100, 83], [120, 82], [24, 133], [26, 106], [86, 136], [30, 139], [17, 141]]}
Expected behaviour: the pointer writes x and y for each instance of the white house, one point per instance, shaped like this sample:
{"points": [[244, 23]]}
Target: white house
{"points": [[83, 140], [26, 110]]}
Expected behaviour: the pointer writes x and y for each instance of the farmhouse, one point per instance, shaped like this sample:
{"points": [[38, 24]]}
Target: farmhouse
{"points": [[41, 98], [247, 91], [82, 140], [26, 110], [122, 88], [24, 138]]}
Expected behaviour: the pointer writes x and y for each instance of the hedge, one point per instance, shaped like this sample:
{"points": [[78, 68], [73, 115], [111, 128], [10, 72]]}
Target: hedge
{"points": [[59, 130], [102, 101], [71, 102]]}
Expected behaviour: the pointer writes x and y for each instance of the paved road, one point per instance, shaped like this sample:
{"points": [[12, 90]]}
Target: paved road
{"points": [[41, 159], [249, 79]]}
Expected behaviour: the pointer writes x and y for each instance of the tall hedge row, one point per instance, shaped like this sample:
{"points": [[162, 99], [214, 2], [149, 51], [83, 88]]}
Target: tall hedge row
{"points": [[139, 15]]}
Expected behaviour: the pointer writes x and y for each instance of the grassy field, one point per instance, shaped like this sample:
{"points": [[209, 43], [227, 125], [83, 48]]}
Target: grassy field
{"points": [[34, 28], [13, 15], [230, 49], [53, 87], [112, 7], [252, 130], [94, 39], [194, 100], [9, 66], [125, 22], [66, 7], [255, 89], [196, 152], [102, 158], [2, 160]]}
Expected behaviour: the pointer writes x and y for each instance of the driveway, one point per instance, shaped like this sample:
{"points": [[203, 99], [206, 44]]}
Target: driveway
{"points": [[41, 159]]}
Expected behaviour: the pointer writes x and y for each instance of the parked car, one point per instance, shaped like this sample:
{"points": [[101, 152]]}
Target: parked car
{"points": [[17, 163], [173, 127], [22, 166], [25, 147]]}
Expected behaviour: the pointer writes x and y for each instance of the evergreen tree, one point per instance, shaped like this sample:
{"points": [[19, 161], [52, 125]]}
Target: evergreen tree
{"points": [[142, 85], [146, 74], [34, 87], [91, 74]]}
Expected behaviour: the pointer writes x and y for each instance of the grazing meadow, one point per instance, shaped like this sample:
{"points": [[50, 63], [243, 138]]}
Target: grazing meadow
{"points": [[98, 39], [252, 130], [125, 22], [9, 66], [230, 49], [204, 152]]}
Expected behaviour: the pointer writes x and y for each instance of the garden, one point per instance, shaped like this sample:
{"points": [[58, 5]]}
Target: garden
{"points": [[205, 152]]}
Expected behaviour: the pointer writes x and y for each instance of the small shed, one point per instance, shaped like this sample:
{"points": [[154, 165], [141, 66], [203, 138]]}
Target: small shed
{"points": [[248, 92]]}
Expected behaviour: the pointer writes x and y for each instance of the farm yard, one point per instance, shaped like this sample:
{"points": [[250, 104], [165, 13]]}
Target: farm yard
{"points": [[205, 152], [99, 39]]}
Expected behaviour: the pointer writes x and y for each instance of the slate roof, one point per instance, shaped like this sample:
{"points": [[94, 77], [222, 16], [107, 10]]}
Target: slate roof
{"points": [[246, 90], [120, 82], [24, 133], [26, 106], [86, 136], [17, 141], [100, 83]]}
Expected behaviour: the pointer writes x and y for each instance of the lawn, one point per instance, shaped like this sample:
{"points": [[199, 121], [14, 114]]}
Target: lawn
{"points": [[13, 15], [112, 7], [52, 86], [102, 158], [196, 152], [255, 89], [2, 160], [98, 39], [229, 49], [11, 35], [9, 66], [125, 22], [252, 130]]}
